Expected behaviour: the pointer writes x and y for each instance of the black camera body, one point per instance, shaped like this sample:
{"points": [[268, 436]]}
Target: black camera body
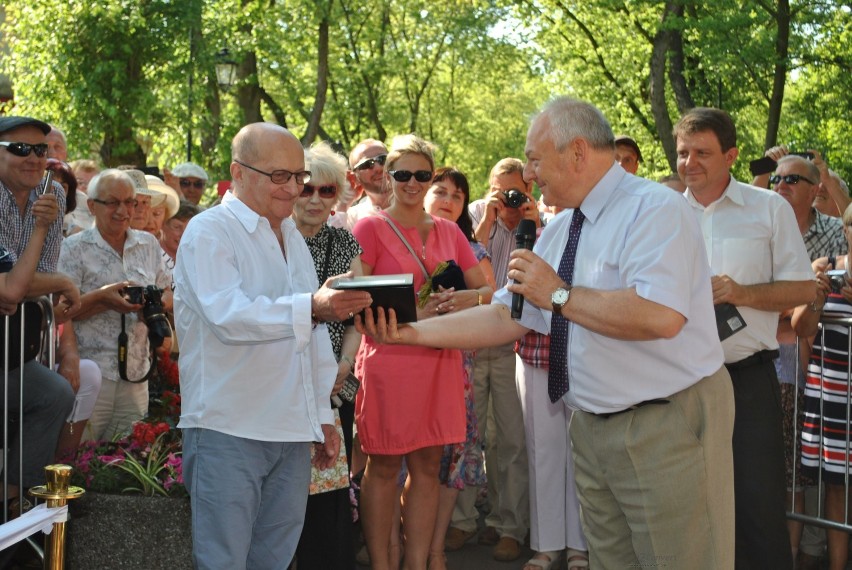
{"points": [[515, 198], [153, 315]]}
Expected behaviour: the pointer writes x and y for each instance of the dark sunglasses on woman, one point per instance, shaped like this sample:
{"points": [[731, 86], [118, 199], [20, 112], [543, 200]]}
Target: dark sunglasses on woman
{"points": [[186, 183], [24, 149], [405, 175], [327, 191]]}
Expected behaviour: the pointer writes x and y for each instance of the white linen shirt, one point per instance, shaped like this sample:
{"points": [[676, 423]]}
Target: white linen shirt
{"points": [[92, 263], [751, 235], [251, 365], [637, 234]]}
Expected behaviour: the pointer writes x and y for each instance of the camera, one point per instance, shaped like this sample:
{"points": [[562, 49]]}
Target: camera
{"points": [[837, 279], [515, 198], [153, 315]]}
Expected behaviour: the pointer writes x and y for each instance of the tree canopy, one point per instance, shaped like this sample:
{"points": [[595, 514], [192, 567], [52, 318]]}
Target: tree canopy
{"points": [[130, 80]]}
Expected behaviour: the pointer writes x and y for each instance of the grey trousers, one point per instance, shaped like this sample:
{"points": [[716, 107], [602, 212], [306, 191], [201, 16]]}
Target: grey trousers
{"points": [[248, 499], [47, 402]]}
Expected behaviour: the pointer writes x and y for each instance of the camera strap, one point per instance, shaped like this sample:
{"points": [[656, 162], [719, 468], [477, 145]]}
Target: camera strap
{"points": [[122, 357]]}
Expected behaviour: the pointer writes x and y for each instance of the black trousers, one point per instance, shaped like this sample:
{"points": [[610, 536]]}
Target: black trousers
{"points": [[762, 539], [327, 537]]}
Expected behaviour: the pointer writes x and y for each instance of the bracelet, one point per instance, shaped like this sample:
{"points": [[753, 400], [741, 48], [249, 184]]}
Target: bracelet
{"points": [[478, 297], [345, 357]]}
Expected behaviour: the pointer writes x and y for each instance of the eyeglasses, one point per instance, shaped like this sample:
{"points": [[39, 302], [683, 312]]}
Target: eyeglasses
{"points": [[24, 149], [405, 175], [328, 191], [197, 184], [788, 179], [371, 162], [281, 176], [113, 204]]}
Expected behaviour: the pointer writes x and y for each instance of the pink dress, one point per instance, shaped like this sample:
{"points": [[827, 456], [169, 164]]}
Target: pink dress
{"points": [[411, 397]]}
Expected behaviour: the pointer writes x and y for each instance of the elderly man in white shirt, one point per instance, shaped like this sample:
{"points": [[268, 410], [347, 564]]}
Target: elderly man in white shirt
{"points": [[102, 261], [256, 363], [761, 266], [640, 356]]}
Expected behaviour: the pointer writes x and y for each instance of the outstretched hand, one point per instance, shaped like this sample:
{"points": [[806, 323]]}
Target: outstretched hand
{"points": [[383, 329], [336, 304]]}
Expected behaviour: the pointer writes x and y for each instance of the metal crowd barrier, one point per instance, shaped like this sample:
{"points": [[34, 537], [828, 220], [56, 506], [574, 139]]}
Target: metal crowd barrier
{"points": [[819, 518], [56, 492]]}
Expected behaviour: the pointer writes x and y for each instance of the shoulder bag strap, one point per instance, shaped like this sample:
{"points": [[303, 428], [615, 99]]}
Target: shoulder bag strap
{"points": [[408, 245]]}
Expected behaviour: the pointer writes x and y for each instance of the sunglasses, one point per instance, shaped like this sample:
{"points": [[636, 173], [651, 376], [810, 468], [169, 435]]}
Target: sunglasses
{"points": [[791, 179], [113, 204], [24, 149], [281, 176], [197, 184], [371, 162], [329, 191], [405, 175]]}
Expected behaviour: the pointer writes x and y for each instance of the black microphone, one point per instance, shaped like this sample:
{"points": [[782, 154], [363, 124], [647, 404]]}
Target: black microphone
{"points": [[524, 239]]}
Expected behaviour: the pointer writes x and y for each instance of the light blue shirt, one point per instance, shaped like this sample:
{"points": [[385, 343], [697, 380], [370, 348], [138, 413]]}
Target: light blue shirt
{"points": [[637, 234]]}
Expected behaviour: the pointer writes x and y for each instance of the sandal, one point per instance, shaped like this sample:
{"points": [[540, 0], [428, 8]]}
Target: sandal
{"points": [[578, 559], [538, 563]]}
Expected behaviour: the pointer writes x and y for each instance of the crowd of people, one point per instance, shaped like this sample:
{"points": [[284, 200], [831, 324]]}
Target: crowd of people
{"points": [[580, 426]]}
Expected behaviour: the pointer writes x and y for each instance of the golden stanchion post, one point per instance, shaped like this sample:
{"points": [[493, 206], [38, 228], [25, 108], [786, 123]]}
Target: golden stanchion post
{"points": [[57, 493]]}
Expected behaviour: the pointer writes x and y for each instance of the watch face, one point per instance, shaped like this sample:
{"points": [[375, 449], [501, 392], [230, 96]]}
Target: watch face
{"points": [[559, 297]]}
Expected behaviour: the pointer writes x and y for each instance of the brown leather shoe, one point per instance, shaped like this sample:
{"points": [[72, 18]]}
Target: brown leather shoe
{"points": [[456, 538], [507, 549], [488, 537]]}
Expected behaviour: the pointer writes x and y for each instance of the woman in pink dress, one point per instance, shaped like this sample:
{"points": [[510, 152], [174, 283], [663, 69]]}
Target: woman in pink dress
{"points": [[411, 401]]}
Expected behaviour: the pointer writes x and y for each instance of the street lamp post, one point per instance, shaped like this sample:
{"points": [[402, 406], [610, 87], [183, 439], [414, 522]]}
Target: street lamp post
{"points": [[226, 69]]}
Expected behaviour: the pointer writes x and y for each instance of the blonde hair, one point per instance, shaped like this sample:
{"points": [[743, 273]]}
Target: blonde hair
{"points": [[410, 144], [325, 164], [847, 215]]}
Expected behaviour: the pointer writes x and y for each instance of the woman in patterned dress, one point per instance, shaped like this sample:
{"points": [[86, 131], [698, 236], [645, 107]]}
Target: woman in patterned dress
{"points": [[326, 540]]}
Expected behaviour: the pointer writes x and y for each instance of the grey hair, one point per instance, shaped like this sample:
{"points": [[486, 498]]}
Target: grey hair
{"points": [[110, 174], [325, 164], [813, 171], [571, 118]]}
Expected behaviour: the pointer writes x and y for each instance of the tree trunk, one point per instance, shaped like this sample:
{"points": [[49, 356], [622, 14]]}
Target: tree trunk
{"points": [[782, 45], [663, 123], [322, 80]]}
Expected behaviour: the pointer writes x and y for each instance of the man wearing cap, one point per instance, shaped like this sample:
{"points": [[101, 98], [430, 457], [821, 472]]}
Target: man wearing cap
{"points": [[189, 180], [627, 153], [103, 261], [47, 397], [367, 173], [146, 199]]}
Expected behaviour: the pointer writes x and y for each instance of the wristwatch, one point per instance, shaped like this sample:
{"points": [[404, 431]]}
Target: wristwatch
{"points": [[559, 298]]}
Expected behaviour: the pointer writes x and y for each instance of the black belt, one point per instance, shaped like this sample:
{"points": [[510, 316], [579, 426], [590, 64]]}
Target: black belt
{"points": [[755, 359], [633, 407]]}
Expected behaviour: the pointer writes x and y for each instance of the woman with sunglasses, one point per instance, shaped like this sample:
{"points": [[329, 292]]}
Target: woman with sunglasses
{"points": [[326, 540], [411, 401]]}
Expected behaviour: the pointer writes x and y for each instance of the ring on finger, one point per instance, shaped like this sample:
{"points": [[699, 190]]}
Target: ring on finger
{"points": [[351, 315]]}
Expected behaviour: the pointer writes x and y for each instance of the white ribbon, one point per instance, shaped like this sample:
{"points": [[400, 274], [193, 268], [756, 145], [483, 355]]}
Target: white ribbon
{"points": [[38, 519]]}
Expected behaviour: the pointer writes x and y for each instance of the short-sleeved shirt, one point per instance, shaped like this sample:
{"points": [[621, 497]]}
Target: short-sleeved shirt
{"points": [[92, 263], [751, 235], [641, 236], [15, 230]]}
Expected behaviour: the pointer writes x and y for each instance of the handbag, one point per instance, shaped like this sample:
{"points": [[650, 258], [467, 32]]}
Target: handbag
{"points": [[335, 477], [33, 317], [447, 274]]}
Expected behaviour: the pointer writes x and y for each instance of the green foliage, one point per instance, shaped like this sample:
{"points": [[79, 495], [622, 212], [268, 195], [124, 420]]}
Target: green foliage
{"points": [[467, 74]]}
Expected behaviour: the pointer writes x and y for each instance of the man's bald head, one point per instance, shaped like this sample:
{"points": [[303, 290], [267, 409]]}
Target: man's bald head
{"points": [[249, 141]]}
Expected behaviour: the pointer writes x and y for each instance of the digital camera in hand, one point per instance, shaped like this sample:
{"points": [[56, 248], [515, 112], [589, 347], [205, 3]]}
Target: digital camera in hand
{"points": [[151, 299], [515, 198], [837, 279]]}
